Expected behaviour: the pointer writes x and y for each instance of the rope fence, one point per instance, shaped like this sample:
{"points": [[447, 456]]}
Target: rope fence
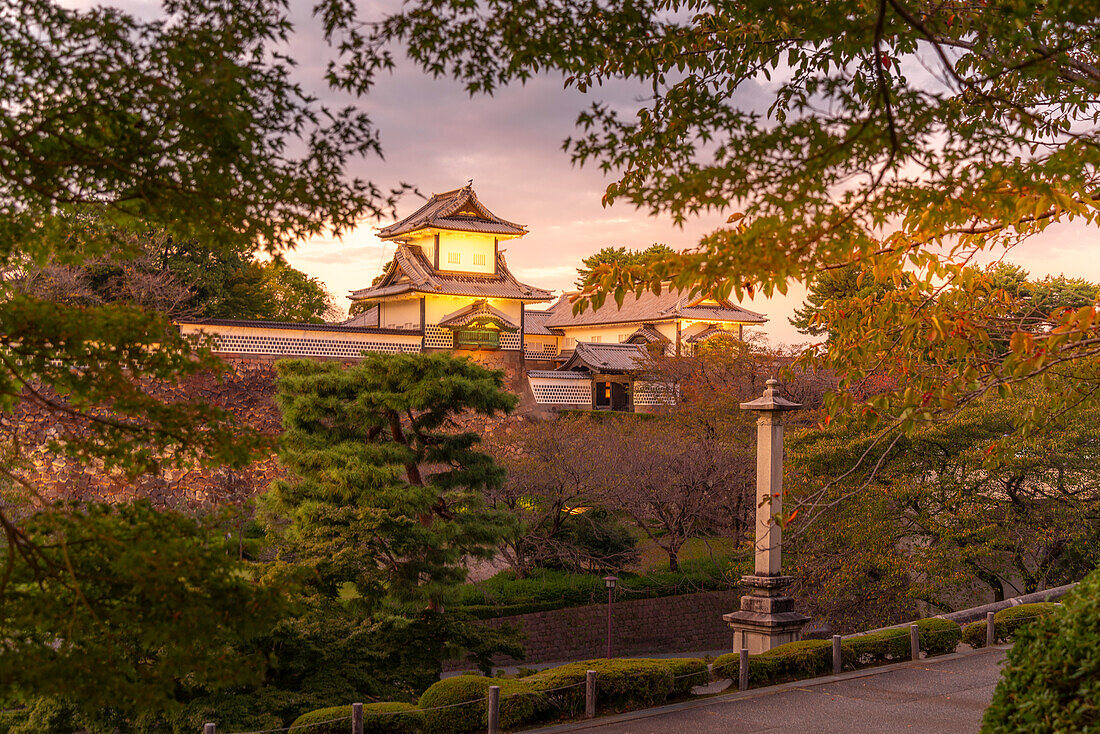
{"points": [[887, 645]]}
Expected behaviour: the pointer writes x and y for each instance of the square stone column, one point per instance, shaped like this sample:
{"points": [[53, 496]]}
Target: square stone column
{"points": [[767, 618]]}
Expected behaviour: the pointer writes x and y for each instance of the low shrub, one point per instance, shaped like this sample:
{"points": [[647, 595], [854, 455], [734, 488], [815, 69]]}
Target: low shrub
{"points": [[939, 636], [793, 661], [1051, 678], [520, 703], [1006, 622], [378, 718], [878, 647], [622, 683]]}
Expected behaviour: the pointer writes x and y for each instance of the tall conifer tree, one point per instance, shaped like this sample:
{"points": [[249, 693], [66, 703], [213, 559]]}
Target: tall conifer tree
{"points": [[387, 494]]}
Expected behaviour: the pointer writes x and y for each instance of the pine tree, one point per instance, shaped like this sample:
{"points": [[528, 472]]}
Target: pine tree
{"points": [[386, 496]]}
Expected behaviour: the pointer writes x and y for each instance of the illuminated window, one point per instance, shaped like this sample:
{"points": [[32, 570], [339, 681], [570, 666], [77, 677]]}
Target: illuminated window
{"points": [[570, 341], [454, 258], [597, 338], [479, 259]]}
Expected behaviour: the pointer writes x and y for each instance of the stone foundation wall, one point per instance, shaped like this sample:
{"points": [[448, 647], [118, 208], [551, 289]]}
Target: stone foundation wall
{"points": [[688, 623]]}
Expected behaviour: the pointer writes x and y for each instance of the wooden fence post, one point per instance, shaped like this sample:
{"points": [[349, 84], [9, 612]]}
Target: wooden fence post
{"points": [[357, 718], [743, 677], [838, 663], [494, 709], [914, 641], [590, 694], [990, 630]]}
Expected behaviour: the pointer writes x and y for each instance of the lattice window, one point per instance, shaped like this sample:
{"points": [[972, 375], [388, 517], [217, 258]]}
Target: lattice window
{"points": [[509, 340], [436, 337], [655, 393], [291, 346], [479, 259], [454, 258], [562, 392]]}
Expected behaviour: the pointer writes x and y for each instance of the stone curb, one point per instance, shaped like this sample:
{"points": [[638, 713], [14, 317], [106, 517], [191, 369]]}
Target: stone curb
{"points": [[722, 699]]}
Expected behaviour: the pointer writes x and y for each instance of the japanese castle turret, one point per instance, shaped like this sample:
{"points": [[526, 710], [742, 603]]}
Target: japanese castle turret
{"points": [[449, 278]]}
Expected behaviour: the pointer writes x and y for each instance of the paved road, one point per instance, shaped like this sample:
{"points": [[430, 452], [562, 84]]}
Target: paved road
{"points": [[939, 696]]}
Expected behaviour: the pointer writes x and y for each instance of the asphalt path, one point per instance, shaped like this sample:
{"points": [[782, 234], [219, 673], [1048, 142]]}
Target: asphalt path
{"points": [[941, 695]]}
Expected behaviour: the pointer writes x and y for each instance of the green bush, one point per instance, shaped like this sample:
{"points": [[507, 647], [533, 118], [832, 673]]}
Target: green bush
{"points": [[48, 716], [1006, 622], [520, 704], [378, 718], [11, 719], [622, 683], [793, 661], [1051, 678], [878, 647], [939, 636]]}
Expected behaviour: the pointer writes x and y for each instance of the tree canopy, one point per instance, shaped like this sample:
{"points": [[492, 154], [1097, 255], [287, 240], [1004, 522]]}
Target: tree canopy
{"points": [[195, 126], [621, 256], [906, 136]]}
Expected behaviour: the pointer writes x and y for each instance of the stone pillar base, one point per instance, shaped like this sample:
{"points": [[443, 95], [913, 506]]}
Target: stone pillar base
{"points": [[767, 618]]}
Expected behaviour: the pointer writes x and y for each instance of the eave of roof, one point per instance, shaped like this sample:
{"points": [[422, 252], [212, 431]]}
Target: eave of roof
{"points": [[558, 374], [608, 358], [410, 262], [668, 305], [299, 326], [442, 211]]}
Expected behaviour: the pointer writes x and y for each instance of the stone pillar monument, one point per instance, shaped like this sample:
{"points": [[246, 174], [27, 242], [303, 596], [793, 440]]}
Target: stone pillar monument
{"points": [[767, 618]]}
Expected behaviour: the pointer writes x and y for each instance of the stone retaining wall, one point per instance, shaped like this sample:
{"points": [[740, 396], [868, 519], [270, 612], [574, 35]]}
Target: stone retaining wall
{"points": [[686, 623]]}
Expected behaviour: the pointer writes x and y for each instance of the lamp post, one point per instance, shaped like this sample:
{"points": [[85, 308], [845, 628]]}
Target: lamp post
{"points": [[609, 581]]}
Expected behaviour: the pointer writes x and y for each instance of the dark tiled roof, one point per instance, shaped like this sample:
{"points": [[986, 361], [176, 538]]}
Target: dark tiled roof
{"points": [[450, 210], [478, 310], [610, 358], [647, 334], [412, 273], [665, 306], [299, 326], [534, 323], [568, 375], [368, 317]]}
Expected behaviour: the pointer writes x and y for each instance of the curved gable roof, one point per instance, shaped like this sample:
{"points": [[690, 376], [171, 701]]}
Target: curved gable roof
{"points": [[459, 209], [412, 273]]}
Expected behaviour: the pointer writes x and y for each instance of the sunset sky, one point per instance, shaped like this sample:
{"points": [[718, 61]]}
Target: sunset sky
{"points": [[436, 137]]}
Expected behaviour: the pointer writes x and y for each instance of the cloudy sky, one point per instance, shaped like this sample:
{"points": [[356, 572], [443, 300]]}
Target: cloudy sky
{"points": [[436, 138]]}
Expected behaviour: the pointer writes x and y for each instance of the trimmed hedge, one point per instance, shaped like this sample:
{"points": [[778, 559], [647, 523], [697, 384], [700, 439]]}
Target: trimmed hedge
{"points": [[793, 661], [1006, 622], [378, 718], [939, 636], [623, 683], [810, 658], [879, 647], [1051, 678], [515, 710]]}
